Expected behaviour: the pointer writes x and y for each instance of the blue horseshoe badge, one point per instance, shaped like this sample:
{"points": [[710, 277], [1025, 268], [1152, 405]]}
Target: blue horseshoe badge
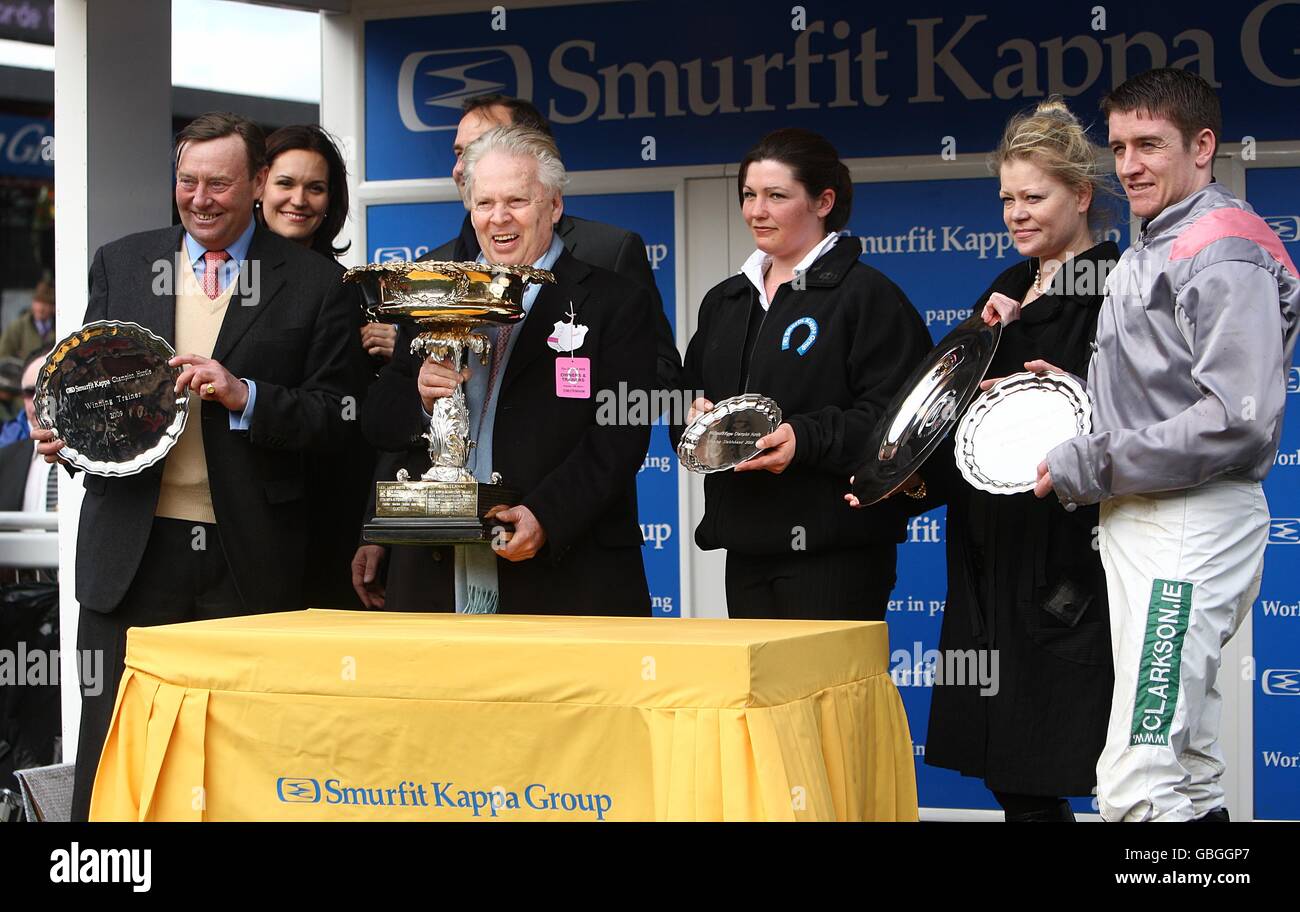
{"points": [[807, 343]]}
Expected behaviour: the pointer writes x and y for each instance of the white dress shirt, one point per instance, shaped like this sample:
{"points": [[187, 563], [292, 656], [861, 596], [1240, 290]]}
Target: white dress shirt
{"points": [[38, 479], [756, 267]]}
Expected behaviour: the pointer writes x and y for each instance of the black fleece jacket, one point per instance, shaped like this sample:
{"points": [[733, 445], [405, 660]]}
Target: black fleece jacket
{"points": [[831, 355]]}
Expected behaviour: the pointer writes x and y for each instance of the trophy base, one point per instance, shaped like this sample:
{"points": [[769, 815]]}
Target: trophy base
{"points": [[436, 512], [448, 530]]}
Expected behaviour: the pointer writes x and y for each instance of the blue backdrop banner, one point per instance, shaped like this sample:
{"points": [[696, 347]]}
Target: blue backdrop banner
{"points": [[673, 82], [1275, 193]]}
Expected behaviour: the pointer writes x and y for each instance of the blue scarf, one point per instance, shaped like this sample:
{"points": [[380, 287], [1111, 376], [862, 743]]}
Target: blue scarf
{"points": [[476, 564]]}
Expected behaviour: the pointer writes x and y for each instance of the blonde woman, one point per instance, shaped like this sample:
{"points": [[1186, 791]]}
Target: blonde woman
{"points": [[1024, 578]]}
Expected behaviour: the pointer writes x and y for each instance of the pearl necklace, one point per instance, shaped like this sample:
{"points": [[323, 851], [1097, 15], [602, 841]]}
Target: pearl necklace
{"points": [[1038, 287]]}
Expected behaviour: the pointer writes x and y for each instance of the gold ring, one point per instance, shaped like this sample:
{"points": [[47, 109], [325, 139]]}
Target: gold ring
{"points": [[210, 389]]}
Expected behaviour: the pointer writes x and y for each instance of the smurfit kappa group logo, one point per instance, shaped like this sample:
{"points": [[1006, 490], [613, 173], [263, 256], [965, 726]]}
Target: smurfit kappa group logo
{"points": [[431, 85], [1293, 380], [408, 793], [1284, 530], [1286, 227], [1281, 682], [398, 254], [297, 791]]}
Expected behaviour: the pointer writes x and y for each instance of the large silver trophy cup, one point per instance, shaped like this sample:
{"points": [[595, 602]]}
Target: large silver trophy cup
{"points": [[447, 301]]}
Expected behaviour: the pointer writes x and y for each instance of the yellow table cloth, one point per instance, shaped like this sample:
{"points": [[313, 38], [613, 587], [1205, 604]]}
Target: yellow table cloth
{"points": [[347, 715]]}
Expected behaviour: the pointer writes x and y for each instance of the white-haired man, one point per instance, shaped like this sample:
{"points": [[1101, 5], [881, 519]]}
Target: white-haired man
{"points": [[576, 548], [597, 243]]}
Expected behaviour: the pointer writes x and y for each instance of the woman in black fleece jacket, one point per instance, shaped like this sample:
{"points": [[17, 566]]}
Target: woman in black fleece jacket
{"points": [[830, 340]]}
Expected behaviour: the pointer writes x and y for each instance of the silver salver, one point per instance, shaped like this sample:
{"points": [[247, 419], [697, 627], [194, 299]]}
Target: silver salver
{"points": [[728, 434], [1011, 428], [925, 407], [109, 394]]}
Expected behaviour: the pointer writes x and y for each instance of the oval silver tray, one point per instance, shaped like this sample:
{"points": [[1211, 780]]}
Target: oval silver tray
{"points": [[1011, 428], [926, 407], [108, 393], [725, 437]]}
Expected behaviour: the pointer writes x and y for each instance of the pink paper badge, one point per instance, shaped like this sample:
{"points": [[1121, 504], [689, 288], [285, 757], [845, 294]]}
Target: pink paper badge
{"points": [[573, 378]]}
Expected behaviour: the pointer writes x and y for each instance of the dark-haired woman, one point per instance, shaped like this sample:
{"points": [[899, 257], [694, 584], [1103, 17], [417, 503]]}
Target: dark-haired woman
{"points": [[306, 194], [306, 200], [830, 340]]}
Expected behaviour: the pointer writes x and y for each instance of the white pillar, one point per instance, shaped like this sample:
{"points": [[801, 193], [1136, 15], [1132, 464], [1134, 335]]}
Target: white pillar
{"points": [[112, 128], [709, 258], [342, 57]]}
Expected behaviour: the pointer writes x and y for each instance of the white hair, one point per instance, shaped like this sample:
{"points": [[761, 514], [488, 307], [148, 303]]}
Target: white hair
{"points": [[524, 143]]}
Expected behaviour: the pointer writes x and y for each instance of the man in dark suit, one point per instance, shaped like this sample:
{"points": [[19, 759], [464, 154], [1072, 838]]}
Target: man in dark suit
{"points": [[269, 350], [596, 243], [576, 545]]}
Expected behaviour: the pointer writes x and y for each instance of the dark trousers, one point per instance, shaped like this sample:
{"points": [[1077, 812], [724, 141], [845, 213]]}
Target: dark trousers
{"points": [[183, 576], [850, 585], [1034, 808]]}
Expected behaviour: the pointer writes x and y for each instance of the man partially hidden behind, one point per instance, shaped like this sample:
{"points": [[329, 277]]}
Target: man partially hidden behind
{"points": [[1188, 388], [576, 545], [267, 343]]}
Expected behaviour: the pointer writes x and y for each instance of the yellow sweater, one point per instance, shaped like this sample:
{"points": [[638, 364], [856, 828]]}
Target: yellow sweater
{"points": [[185, 492]]}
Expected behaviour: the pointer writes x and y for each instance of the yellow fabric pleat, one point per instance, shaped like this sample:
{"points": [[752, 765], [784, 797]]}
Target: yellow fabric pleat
{"points": [[180, 783], [162, 721], [119, 780]]}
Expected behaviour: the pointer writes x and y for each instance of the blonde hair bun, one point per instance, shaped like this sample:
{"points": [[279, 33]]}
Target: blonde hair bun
{"points": [[1053, 139], [1055, 105]]}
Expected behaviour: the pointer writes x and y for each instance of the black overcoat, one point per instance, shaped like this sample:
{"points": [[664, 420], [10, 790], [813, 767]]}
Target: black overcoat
{"points": [[1008, 556]]}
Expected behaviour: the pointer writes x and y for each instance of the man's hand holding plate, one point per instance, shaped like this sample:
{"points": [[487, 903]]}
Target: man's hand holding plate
{"points": [[211, 381], [1037, 366], [47, 445]]}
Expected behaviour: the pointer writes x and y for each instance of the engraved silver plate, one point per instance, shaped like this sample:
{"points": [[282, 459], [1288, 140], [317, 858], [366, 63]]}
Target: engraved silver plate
{"points": [[728, 435], [1011, 428], [108, 393], [926, 407], [426, 498]]}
